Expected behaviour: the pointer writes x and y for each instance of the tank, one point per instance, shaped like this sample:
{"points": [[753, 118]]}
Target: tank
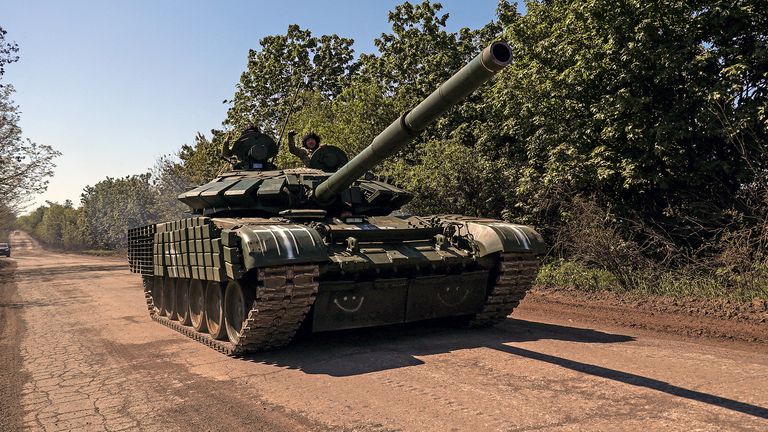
{"points": [[267, 252]]}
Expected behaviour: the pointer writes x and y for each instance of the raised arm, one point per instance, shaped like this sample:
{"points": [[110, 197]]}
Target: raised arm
{"points": [[299, 152]]}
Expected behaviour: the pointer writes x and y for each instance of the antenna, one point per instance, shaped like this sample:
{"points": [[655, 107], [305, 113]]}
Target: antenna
{"points": [[290, 111]]}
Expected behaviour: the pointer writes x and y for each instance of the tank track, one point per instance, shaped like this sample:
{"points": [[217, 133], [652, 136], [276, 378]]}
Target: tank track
{"points": [[515, 277], [284, 295]]}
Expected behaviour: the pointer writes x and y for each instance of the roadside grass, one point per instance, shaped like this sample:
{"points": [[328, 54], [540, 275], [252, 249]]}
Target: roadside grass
{"points": [[682, 282]]}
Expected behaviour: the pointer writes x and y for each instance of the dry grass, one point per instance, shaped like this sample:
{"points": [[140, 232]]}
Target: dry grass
{"points": [[596, 251]]}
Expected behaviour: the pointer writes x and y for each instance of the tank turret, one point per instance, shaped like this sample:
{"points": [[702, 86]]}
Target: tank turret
{"points": [[332, 184]]}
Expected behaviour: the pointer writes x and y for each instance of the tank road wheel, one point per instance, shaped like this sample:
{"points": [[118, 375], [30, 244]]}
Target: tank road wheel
{"points": [[197, 305], [214, 311], [237, 302], [157, 295], [169, 298], [182, 301]]}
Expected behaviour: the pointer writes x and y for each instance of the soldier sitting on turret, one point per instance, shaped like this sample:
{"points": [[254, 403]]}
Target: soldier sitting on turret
{"points": [[251, 150], [309, 144]]}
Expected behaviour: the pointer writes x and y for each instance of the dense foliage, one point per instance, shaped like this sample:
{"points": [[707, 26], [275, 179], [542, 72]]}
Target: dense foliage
{"points": [[285, 65], [107, 210], [650, 107]]}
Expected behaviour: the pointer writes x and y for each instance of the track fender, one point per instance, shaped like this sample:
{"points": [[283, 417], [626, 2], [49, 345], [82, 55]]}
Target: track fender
{"points": [[494, 236], [275, 245]]}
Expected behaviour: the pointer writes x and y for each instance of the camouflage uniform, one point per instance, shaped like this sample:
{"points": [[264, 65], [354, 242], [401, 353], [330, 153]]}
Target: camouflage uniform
{"points": [[303, 153]]}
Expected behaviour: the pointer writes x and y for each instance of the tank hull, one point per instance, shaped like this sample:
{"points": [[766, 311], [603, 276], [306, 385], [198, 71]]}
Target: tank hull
{"points": [[328, 276]]}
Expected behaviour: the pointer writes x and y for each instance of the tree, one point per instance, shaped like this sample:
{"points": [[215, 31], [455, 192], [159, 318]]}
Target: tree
{"points": [[8, 52], [61, 226], [111, 206], [202, 161], [420, 54], [57, 225], [7, 221], [631, 101], [192, 166], [24, 165], [285, 65]]}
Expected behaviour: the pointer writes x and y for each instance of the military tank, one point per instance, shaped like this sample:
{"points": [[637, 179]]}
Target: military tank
{"points": [[267, 251]]}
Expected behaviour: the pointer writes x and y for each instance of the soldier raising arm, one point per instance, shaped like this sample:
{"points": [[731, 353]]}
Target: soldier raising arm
{"points": [[309, 144]]}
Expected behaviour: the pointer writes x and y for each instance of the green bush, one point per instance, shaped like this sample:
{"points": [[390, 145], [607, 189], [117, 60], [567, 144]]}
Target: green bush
{"points": [[681, 282], [570, 274]]}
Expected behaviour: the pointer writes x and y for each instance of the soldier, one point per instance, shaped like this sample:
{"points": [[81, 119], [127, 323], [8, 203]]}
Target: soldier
{"points": [[309, 144]]}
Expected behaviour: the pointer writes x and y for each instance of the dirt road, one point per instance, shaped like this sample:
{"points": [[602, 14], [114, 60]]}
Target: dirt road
{"points": [[80, 353]]}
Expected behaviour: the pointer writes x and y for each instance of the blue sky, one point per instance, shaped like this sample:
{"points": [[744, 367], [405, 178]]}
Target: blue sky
{"points": [[113, 85]]}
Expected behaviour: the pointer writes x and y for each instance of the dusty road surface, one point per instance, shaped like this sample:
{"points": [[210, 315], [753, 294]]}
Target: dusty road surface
{"points": [[80, 353]]}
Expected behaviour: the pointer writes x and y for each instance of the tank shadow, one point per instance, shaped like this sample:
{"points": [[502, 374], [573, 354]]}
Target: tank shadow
{"points": [[639, 381], [354, 352], [348, 353]]}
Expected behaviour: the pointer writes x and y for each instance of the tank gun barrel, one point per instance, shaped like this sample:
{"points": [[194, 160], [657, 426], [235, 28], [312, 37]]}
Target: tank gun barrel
{"points": [[483, 67]]}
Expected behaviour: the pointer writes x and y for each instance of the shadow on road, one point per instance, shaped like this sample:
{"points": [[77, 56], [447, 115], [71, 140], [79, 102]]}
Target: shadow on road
{"points": [[355, 352], [350, 353], [639, 381]]}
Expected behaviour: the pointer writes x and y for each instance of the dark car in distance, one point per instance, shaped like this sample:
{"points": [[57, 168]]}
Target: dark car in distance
{"points": [[5, 249]]}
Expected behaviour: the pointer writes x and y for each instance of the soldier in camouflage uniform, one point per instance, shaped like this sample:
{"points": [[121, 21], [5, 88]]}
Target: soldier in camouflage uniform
{"points": [[309, 144]]}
